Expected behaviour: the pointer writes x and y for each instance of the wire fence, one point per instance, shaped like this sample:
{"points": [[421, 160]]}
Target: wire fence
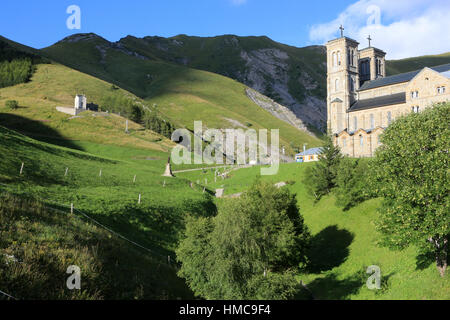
{"points": [[8, 295]]}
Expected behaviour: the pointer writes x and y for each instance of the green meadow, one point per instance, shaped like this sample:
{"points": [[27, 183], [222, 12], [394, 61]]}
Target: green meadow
{"points": [[344, 244], [100, 185]]}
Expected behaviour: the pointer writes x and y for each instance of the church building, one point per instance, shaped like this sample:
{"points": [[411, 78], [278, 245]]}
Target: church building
{"points": [[362, 101]]}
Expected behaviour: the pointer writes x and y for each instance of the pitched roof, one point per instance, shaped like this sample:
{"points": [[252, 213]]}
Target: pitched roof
{"points": [[310, 152], [399, 78], [382, 101]]}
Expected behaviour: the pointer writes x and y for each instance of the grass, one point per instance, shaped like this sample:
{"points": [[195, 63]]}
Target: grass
{"points": [[55, 85], [345, 244], [416, 63], [181, 94], [44, 240]]}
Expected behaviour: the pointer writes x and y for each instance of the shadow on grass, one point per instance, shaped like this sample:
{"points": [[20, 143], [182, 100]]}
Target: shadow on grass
{"points": [[111, 268], [329, 249], [332, 288], [36, 129]]}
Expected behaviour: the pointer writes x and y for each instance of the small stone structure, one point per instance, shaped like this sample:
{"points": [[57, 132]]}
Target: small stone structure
{"points": [[80, 105], [168, 171], [219, 193]]}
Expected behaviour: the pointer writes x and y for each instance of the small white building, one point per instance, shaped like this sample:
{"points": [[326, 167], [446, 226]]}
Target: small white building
{"points": [[79, 106], [308, 155], [80, 102]]}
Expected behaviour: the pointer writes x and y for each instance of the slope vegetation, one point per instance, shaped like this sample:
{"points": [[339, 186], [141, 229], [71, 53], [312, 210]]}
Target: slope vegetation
{"points": [[345, 244], [180, 93], [40, 238]]}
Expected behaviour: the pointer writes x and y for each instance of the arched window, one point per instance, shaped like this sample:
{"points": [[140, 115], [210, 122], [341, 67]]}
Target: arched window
{"points": [[336, 85], [334, 59], [355, 123], [339, 57], [372, 121], [344, 142], [361, 140]]}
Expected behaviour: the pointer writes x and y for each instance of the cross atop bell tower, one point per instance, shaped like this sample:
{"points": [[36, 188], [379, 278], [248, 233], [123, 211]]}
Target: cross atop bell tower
{"points": [[370, 39], [342, 30]]}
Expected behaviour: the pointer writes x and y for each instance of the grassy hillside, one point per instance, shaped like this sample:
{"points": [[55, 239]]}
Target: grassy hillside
{"points": [[180, 93], [416, 63], [55, 85], [223, 55], [345, 244], [45, 242]]}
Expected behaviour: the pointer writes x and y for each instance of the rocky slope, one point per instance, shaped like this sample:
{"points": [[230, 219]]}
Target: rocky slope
{"points": [[293, 77]]}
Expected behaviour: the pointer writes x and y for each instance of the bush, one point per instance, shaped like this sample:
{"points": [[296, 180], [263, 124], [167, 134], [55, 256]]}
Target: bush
{"points": [[320, 178], [249, 250], [352, 182], [12, 104]]}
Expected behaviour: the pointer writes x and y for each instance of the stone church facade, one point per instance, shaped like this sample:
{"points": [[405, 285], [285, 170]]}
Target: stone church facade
{"points": [[362, 101]]}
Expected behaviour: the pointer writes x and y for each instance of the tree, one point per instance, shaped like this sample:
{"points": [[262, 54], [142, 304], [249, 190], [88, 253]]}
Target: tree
{"points": [[249, 250], [320, 178], [411, 173], [12, 104], [352, 182]]}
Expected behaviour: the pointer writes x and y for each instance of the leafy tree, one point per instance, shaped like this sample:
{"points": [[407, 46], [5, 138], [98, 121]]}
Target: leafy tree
{"points": [[320, 178], [247, 251], [12, 104], [352, 182], [411, 173]]}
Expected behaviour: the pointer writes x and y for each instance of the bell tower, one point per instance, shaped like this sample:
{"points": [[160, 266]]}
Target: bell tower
{"points": [[342, 81], [372, 63]]}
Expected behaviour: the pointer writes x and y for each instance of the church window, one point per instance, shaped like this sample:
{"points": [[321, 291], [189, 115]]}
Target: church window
{"points": [[361, 140], [443, 89], [355, 123], [344, 142], [339, 57], [372, 121], [336, 85], [334, 59], [352, 84], [389, 117]]}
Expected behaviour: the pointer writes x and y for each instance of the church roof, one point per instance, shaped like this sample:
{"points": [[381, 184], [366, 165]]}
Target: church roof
{"points": [[382, 101], [399, 78]]}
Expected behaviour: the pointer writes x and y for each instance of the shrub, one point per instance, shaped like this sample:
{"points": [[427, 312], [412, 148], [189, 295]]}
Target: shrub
{"points": [[320, 178], [248, 250], [12, 104], [352, 182]]}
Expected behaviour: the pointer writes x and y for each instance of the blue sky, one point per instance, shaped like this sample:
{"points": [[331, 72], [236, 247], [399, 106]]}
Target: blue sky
{"points": [[41, 23], [403, 28]]}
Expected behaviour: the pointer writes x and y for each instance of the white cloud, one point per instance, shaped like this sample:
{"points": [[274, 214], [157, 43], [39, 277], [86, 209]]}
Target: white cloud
{"points": [[402, 28], [238, 2]]}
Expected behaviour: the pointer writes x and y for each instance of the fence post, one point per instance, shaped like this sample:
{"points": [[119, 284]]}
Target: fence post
{"points": [[21, 168], [139, 201], [100, 174], [71, 208], [134, 179], [67, 170]]}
